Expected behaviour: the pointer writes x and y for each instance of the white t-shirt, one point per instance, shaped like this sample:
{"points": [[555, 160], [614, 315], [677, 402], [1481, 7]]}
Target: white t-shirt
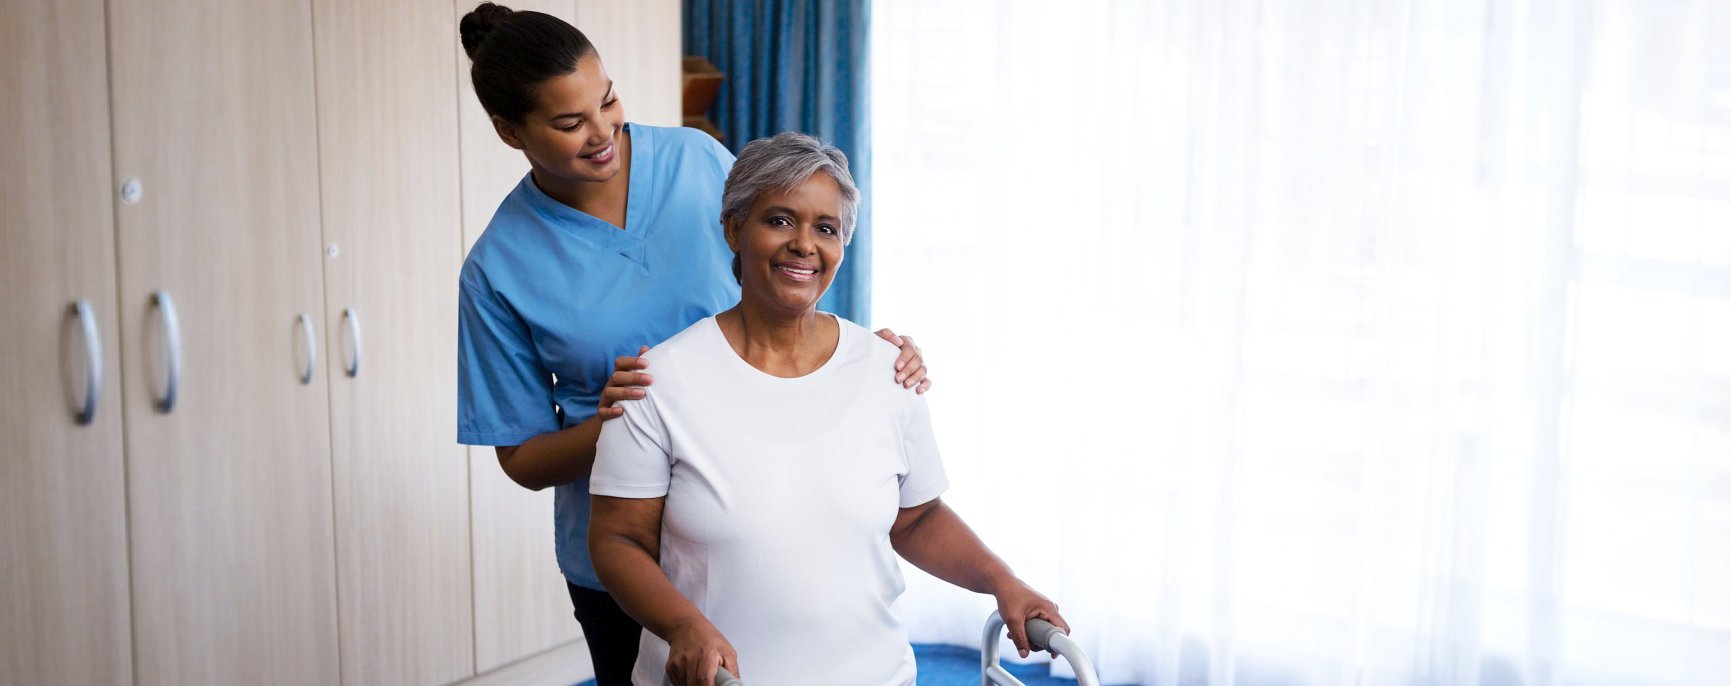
{"points": [[780, 496]]}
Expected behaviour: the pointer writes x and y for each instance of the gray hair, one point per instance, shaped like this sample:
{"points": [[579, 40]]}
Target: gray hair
{"points": [[781, 163]]}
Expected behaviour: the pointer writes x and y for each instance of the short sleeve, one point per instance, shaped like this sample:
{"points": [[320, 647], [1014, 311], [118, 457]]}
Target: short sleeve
{"points": [[925, 478], [632, 458], [723, 156], [504, 393]]}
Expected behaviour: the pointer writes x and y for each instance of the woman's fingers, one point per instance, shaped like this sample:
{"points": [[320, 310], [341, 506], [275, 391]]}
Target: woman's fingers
{"points": [[634, 379], [607, 409], [925, 385], [625, 384], [705, 675], [1048, 610], [630, 362], [1050, 614], [621, 392], [914, 374], [909, 353], [910, 363], [1019, 635]]}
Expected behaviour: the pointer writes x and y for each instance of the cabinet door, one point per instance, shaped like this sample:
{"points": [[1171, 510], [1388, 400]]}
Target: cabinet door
{"points": [[639, 41], [233, 563], [388, 178], [64, 609], [521, 606]]}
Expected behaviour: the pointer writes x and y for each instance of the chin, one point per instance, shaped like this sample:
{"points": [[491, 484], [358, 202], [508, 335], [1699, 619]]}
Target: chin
{"points": [[800, 302], [593, 176]]}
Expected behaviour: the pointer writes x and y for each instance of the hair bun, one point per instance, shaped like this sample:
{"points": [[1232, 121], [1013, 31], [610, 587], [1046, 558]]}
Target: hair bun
{"points": [[478, 23]]}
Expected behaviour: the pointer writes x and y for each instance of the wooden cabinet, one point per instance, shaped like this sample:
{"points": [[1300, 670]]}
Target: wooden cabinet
{"points": [[229, 490], [269, 489], [639, 43], [64, 605], [387, 124]]}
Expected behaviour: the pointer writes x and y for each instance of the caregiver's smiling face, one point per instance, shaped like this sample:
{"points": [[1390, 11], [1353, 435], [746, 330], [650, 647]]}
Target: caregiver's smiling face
{"points": [[790, 245], [573, 133]]}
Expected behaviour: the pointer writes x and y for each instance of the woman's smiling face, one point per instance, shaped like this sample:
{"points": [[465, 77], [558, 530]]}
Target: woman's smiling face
{"points": [[572, 134], [790, 245]]}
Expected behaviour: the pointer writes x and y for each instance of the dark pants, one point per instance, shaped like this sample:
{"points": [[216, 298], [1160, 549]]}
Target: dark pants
{"points": [[612, 635]]}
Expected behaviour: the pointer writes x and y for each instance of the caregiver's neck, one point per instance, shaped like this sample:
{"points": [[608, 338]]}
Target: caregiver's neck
{"points": [[780, 343]]}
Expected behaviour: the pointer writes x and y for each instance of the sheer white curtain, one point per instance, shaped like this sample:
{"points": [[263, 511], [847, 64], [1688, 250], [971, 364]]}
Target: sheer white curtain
{"points": [[1326, 342]]}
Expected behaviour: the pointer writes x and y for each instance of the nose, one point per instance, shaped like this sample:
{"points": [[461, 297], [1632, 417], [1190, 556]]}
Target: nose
{"points": [[803, 242], [602, 130]]}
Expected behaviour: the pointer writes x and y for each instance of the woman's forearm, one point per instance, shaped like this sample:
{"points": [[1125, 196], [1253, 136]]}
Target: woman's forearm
{"points": [[642, 589], [622, 532], [935, 539], [552, 459]]}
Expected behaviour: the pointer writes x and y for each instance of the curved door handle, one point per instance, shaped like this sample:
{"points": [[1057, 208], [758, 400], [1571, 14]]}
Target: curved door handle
{"points": [[86, 411], [354, 327], [306, 326], [164, 304]]}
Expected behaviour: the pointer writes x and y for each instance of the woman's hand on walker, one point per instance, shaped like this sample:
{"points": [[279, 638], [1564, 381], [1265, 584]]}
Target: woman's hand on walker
{"points": [[626, 383], [1017, 604], [695, 652], [910, 366]]}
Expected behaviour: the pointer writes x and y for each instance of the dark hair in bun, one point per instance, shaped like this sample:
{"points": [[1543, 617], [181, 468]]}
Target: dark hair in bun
{"points": [[512, 53]]}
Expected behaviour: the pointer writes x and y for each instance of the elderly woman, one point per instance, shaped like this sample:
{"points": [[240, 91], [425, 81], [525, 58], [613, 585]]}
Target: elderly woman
{"points": [[745, 510]]}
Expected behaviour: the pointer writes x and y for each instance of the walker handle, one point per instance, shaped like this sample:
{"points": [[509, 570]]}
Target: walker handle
{"points": [[726, 678], [1040, 633]]}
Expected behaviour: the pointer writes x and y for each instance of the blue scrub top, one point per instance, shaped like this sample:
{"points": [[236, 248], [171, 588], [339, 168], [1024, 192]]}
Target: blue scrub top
{"points": [[549, 296]]}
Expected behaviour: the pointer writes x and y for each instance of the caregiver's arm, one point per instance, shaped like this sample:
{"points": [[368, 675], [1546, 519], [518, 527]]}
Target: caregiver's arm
{"points": [[561, 457], [554, 458], [935, 539], [624, 542]]}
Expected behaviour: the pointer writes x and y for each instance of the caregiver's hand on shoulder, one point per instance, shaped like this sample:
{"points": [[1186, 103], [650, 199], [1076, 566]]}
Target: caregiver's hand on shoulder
{"points": [[910, 366], [1017, 603], [626, 383], [695, 652]]}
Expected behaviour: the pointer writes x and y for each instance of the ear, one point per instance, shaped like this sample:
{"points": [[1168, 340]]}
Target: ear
{"points": [[507, 132], [730, 231]]}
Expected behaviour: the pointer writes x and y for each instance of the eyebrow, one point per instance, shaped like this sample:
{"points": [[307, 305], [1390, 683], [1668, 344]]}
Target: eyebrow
{"points": [[778, 209], [569, 115]]}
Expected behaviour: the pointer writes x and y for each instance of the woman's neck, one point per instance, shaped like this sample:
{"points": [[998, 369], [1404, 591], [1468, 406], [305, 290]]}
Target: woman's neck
{"points": [[779, 343], [604, 200]]}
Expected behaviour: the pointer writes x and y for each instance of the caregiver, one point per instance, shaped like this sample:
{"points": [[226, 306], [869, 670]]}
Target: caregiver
{"points": [[610, 243]]}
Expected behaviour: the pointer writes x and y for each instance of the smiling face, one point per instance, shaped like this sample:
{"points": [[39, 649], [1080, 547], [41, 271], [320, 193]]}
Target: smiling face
{"points": [[572, 135], [789, 245]]}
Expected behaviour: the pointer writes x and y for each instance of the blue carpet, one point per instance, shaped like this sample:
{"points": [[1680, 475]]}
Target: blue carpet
{"points": [[942, 665]]}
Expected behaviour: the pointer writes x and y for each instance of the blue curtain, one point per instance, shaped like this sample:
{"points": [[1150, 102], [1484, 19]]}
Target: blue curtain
{"points": [[794, 65]]}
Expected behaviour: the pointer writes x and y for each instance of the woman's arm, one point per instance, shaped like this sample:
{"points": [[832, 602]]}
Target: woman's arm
{"points": [[935, 539], [561, 457], [624, 542], [554, 458]]}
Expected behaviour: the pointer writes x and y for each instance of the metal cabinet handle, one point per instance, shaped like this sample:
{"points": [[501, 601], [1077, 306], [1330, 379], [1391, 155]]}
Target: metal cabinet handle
{"points": [[92, 362], [354, 322], [306, 327], [164, 304]]}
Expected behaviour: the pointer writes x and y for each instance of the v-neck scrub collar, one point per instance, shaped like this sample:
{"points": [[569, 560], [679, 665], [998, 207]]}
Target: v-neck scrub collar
{"points": [[629, 241]]}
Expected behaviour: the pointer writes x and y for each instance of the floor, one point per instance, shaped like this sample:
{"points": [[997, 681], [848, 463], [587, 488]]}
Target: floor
{"points": [[942, 665]]}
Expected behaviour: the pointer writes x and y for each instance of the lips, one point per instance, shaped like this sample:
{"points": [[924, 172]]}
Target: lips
{"points": [[796, 271], [602, 156]]}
